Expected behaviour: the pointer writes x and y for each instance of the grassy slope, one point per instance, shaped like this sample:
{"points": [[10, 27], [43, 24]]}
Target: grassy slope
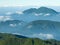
{"points": [[9, 39]]}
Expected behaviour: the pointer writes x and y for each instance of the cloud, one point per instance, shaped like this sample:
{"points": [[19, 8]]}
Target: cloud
{"points": [[4, 18], [13, 25], [1, 17], [8, 13], [38, 14], [30, 26], [47, 14], [17, 33], [44, 36], [19, 12]]}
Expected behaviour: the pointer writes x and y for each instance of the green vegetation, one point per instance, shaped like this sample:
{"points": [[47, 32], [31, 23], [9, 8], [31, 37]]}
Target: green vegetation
{"points": [[9, 39]]}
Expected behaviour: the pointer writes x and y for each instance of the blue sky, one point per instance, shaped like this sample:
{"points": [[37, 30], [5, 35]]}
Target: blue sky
{"points": [[29, 2]]}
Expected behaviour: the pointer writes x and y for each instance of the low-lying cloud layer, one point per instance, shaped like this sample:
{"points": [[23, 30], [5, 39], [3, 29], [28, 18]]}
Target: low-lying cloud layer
{"points": [[44, 36]]}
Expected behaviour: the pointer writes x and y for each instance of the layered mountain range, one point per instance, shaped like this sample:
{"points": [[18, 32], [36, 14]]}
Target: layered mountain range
{"points": [[43, 23]]}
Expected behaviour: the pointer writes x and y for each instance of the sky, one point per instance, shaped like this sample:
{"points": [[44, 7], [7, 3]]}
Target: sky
{"points": [[29, 3]]}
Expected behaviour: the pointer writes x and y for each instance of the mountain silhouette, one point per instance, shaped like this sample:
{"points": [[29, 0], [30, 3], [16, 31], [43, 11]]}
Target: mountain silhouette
{"points": [[40, 10]]}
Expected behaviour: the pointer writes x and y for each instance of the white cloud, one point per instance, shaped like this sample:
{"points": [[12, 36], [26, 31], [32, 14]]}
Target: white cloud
{"points": [[17, 33], [47, 14], [19, 12], [4, 18], [44, 36], [30, 26], [7, 18], [13, 25], [8, 13], [1, 17], [38, 14]]}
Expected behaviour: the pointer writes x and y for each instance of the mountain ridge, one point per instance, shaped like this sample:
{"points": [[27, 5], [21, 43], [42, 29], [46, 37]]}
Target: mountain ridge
{"points": [[40, 10], [11, 39]]}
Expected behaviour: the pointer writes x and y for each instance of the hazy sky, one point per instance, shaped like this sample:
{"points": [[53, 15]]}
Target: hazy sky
{"points": [[29, 2]]}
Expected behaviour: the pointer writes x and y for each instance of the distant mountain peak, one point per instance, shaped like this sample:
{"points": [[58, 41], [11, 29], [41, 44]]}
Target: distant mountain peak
{"points": [[43, 7], [40, 10], [31, 10], [46, 10]]}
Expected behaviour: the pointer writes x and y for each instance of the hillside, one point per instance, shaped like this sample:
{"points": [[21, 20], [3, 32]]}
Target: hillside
{"points": [[10, 39], [43, 27]]}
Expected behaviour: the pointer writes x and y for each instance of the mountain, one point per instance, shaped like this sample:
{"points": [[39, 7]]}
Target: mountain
{"points": [[40, 10], [11, 39], [32, 10], [42, 13], [46, 10], [42, 21], [45, 27], [32, 29], [12, 26]]}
